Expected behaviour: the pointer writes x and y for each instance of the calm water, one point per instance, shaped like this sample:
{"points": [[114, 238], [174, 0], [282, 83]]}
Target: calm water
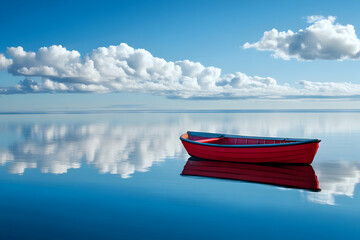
{"points": [[117, 176]]}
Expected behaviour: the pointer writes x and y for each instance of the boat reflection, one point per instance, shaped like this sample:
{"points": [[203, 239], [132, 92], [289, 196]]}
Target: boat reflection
{"points": [[290, 176]]}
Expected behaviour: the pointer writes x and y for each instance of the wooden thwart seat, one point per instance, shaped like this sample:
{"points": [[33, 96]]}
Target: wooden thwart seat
{"points": [[209, 140]]}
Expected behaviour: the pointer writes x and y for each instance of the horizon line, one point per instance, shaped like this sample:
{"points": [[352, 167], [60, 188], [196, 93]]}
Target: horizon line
{"points": [[180, 111]]}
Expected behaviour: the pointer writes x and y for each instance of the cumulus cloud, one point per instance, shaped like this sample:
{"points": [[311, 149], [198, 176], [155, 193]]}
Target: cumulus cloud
{"points": [[4, 62], [323, 39], [125, 69]]}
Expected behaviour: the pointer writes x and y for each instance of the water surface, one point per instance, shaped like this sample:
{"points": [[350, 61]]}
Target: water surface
{"points": [[117, 176]]}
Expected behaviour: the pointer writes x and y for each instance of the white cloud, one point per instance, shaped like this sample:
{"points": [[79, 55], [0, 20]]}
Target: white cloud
{"points": [[112, 69], [339, 89], [314, 18], [125, 69], [4, 62], [324, 39]]}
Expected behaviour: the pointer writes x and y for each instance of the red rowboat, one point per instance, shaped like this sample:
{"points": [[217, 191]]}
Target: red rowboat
{"points": [[293, 176], [236, 148]]}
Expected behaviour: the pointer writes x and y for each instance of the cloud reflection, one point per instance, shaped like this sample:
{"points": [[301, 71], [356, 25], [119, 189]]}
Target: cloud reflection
{"points": [[338, 178], [115, 149]]}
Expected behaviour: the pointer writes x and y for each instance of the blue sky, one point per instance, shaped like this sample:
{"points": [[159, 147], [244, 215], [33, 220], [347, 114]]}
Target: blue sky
{"points": [[209, 32]]}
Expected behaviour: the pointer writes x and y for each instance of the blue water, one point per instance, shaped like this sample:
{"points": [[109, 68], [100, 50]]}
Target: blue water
{"points": [[117, 176]]}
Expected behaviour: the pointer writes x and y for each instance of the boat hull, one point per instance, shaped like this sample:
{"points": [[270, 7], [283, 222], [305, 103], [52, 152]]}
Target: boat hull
{"points": [[303, 153]]}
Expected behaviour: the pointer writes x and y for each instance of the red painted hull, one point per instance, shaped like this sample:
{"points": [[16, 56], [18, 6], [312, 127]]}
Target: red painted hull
{"points": [[302, 177], [294, 153]]}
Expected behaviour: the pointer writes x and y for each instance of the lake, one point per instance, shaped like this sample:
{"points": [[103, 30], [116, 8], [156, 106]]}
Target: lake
{"points": [[118, 176]]}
